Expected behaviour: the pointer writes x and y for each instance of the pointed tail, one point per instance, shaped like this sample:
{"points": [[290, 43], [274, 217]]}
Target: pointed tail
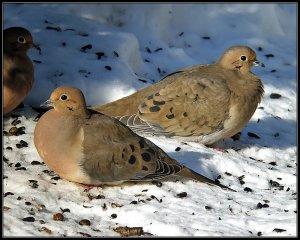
{"points": [[189, 173]]}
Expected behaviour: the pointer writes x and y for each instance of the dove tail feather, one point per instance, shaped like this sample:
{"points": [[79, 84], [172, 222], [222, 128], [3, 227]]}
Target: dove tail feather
{"points": [[189, 173]]}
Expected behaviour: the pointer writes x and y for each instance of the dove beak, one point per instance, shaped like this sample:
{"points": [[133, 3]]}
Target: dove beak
{"points": [[47, 104], [36, 46], [258, 63]]}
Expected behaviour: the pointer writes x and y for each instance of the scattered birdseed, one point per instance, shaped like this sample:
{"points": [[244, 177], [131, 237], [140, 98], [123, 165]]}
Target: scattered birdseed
{"points": [[116, 205], [275, 95], [13, 131], [260, 205], [100, 55], [36, 163], [44, 229], [84, 234], [116, 53], [65, 210], [251, 134], [208, 208], [21, 168], [148, 50], [15, 122], [278, 230], [273, 163], [129, 231], [247, 189], [58, 29], [55, 178], [142, 80], [181, 195], [269, 55], [18, 164], [22, 144], [88, 46], [8, 193], [29, 219], [177, 149], [158, 49], [85, 222], [5, 208], [58, 217]]}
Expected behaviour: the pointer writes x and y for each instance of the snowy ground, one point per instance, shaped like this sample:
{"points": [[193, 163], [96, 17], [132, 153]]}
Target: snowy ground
{"points": [[111, 50]]}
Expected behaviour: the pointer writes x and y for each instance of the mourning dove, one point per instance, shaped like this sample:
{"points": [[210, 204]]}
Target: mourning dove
{"points": [[87, 147], [18, 72], [202, 103]]}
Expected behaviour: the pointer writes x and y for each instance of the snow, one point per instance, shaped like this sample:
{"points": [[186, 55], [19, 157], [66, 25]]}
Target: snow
{"points": [[168, 37]]}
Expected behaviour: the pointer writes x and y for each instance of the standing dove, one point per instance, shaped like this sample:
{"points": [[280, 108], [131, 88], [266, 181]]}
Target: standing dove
{"points": [[202, 103], [88, 147], [18, 72]]}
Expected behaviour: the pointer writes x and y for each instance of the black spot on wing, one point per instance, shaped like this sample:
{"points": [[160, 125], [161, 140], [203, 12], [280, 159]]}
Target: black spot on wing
{"points": [[154, 109], [150, 97], [146, 157], [170, 116], [132, 159], [145, 168], [158, 102], [185, 114], [132, 147], [142, 143]]}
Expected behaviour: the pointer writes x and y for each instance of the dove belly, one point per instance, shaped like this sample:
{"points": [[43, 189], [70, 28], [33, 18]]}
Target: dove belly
{"points": [[11, 99], [62, 154]]}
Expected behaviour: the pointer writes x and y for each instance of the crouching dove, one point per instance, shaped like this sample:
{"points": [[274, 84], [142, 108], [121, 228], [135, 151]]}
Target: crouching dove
{"points": [[202, 103], [88, 147], [18, 72]]}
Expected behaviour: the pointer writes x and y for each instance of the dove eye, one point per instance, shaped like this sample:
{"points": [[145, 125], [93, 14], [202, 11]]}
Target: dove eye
{"points": [[21, 39], [63, 97], [243, 58]]}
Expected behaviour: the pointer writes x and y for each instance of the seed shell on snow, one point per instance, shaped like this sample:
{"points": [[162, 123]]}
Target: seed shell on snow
{"points": [[58, 217]]}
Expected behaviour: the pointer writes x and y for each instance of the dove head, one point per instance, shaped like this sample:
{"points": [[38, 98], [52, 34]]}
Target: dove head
{"points": [[67, 100], [240, 58], [17, 39]]}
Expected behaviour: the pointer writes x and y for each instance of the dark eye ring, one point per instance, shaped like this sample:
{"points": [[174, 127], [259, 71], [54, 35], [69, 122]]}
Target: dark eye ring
{"points": [[243, 58], [21, 39], [63, 97]]}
